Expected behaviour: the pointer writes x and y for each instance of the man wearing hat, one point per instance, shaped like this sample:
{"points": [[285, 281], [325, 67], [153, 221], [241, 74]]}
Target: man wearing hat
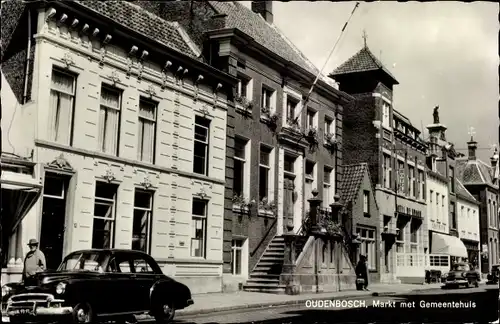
{"points": [[34, 261]]}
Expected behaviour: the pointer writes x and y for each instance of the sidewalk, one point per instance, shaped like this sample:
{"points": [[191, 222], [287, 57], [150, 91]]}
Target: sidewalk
{"points": [[219, 302]]}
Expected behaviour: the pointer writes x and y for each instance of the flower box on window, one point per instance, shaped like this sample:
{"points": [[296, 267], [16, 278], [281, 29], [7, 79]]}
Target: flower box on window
{"points": [[242, 103], [311, 136], [293, 124], [331, 140], [270, 117], [267, 207], [241, 203]]}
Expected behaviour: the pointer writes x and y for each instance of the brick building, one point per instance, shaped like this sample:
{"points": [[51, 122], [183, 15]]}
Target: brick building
{"points": [[271, 165], [481, 180], [360, 214], [128, 140], [375, 133]]}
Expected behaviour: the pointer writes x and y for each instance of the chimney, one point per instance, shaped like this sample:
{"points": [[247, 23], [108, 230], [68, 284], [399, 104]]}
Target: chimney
{"points": [[472, 144], [264, 8], [494, 159]]}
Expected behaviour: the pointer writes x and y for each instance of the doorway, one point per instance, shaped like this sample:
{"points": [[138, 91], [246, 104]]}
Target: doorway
{"points": [[53, 219]]}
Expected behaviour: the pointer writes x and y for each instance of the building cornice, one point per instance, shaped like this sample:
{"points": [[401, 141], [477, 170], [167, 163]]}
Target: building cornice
{"points": [[139, 39]]}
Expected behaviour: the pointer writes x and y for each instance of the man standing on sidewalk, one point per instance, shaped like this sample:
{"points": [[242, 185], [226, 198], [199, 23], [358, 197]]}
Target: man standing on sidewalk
{"points": [[362, 271], [34, 261]]}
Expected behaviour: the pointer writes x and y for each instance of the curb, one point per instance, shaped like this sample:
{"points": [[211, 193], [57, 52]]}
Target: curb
{"points": [[182, 313]]}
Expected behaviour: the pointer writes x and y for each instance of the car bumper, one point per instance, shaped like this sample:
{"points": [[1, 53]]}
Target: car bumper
{"points": [[456, 282]]}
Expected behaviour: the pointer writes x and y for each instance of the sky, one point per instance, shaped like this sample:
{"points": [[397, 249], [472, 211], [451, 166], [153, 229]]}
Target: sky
{"points": [[442, 53]]}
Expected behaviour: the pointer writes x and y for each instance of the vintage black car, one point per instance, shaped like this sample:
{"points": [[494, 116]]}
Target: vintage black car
{"points": [[462, 274], [494, 274], [94, 285]]}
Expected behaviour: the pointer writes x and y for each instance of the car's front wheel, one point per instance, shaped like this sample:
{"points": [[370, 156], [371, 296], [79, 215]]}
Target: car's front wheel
{"points": [[82, 313], [165, 313]]}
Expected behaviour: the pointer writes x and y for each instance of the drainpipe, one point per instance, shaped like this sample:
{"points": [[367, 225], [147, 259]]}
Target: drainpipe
{"points": [[25, 92]]}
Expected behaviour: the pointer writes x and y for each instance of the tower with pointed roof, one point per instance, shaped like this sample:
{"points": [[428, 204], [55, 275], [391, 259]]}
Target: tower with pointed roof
{"points": [[482, 181], [376, 134]]}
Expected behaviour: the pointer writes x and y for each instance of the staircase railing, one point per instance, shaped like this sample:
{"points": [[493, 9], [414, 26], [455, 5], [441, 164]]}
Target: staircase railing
{"points": [[264, 237]]}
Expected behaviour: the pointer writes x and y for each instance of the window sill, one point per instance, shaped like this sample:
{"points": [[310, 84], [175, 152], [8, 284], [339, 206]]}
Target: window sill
{"points": [[240, 209], [244, 111], [266, 213]]}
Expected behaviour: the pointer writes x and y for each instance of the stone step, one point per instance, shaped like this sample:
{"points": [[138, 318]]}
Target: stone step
{"points": [[272, 259], [271, 253], [271, 281], [264, 275], [275, 247], [278, 239], [267, 263], [276, 291], [274, 270]]}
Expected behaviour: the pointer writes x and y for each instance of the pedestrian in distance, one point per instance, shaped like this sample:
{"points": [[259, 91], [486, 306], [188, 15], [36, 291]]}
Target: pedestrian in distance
{"points": [[34, 261], [362, 274]]}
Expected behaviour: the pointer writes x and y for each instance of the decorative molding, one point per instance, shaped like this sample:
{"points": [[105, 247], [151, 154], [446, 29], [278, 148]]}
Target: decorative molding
{"points": [[164, 75], [68, 60], [146, 182], [50, 14], [61, 20], [114, 77], [205, 111], [144, 55], [197, 86], [178, 75], [216, 92], [151, 90], [202, 193], [60, 163], [95, 32], [104, 50], [85, 28], [74, 23], [109, 175], [130, 63]]}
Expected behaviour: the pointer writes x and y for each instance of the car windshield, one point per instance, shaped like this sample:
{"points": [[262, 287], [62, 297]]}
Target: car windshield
{"points": [[460, 267], [84, 261]]}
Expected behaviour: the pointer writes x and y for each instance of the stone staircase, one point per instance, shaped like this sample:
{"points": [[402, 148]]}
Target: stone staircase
{"points": [[265, 276]]}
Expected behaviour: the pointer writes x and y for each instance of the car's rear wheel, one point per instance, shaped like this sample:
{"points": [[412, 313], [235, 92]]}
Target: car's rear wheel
{"points": [[165, 313], [82, 313]]}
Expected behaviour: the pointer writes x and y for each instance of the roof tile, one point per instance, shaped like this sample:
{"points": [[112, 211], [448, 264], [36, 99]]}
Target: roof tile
{"points": [[474, 172], [461, 190], [362, 61], [142, 21], [267, 35], [352, 179]]}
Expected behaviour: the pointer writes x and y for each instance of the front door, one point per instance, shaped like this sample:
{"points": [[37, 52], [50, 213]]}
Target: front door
{"points": [[288, 200], [53, 220]]}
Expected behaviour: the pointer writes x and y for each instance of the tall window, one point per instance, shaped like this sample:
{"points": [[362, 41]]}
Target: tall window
{"points": [[291, 107], [495, 213], [311, 119], [104, 215], [438, 209], [411, 183], [240, 180], [62, 97], [243, 86], [414, 226], [401, 177], [147, 131], [490, 214], [453, 215], [289, 194], [267, 97], [201, 142], [421, 178], [329, 127], [386, 115], [109, 120], [452, 179], [199, 228], [462, 212], [366, 202], [143, 203], [387, 171], [368, 246], [236, 256], [309, 182], [265, 173], [327, 187]]}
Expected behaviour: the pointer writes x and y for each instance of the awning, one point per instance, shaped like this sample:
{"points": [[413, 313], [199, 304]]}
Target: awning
{"points": [[449, 245], [18, 197]]}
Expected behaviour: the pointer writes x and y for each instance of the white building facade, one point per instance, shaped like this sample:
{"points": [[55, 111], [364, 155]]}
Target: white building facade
{"points": [[468, 224], [129, 144]]}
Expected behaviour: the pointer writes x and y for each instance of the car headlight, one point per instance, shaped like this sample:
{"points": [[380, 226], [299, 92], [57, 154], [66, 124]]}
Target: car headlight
{"points": [[60, 288], [6, 290]]}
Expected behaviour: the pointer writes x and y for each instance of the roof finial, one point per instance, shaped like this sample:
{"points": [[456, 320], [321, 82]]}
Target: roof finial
{"points": [[364, 37], [471, 133]]}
